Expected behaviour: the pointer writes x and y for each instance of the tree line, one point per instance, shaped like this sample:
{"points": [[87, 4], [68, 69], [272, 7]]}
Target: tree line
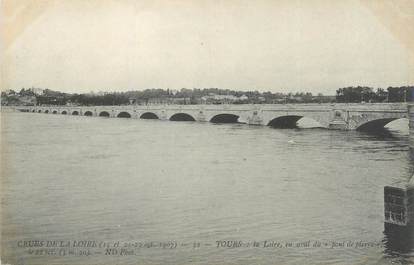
{"points": [[367, 94], [157, 95], [195, 96]]}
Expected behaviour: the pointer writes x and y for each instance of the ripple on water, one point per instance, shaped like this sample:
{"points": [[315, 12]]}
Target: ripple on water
{"points": [[114, 179]]}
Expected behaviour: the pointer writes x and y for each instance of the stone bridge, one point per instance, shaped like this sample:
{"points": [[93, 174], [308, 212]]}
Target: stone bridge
{"points": [[332, 116]]}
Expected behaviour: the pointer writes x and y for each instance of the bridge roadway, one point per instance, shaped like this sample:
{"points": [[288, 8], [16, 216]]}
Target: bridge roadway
{"points": [[331, 116]]}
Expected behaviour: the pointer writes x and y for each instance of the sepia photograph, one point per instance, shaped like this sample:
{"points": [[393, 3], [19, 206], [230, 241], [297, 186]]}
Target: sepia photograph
{"points": [[152, 132]]}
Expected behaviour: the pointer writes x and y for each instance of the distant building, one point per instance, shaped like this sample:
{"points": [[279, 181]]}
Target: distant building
{"points": [[37, 91], [220, 99]]}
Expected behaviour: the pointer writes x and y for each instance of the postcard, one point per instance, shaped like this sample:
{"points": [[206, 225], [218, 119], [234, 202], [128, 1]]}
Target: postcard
{"points": [[207, 132]]}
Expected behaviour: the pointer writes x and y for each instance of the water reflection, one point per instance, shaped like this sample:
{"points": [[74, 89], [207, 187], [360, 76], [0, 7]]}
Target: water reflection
{"points": [[411, 164], [398, 240], [387, 140], [384, 134]]}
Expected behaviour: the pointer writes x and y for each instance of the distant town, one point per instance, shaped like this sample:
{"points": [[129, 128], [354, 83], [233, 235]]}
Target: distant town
{"points": [[44, 97]]}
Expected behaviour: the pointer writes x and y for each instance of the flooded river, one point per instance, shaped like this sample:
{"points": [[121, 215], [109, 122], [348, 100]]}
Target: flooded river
{"points": [[199, 193]]}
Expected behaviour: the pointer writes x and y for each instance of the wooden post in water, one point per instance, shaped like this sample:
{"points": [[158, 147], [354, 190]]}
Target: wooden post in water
{"points": [[399, 201], [399, 205], [411, 127], [396, 207], [410, 185]]}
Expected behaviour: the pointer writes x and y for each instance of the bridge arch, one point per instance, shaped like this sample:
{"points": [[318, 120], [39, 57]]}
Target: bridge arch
{"points": [[54, 112], [47, 111], [149, 116], [375, 125], [225, 118], [295, 121], [104, 114], [39, 111], [124, 114], [182, 117], [75, 112], [33, 110], [88, 113], [64, 112], [285, 122]]}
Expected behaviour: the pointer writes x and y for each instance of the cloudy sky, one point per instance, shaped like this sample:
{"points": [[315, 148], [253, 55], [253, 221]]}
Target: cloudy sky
{"points": [[279, 45]]}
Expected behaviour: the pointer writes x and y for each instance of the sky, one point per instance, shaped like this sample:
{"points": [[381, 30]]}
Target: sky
{"points": [[279, 46]]}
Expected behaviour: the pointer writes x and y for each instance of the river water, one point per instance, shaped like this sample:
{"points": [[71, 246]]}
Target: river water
{"points": [[186, 185]]}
